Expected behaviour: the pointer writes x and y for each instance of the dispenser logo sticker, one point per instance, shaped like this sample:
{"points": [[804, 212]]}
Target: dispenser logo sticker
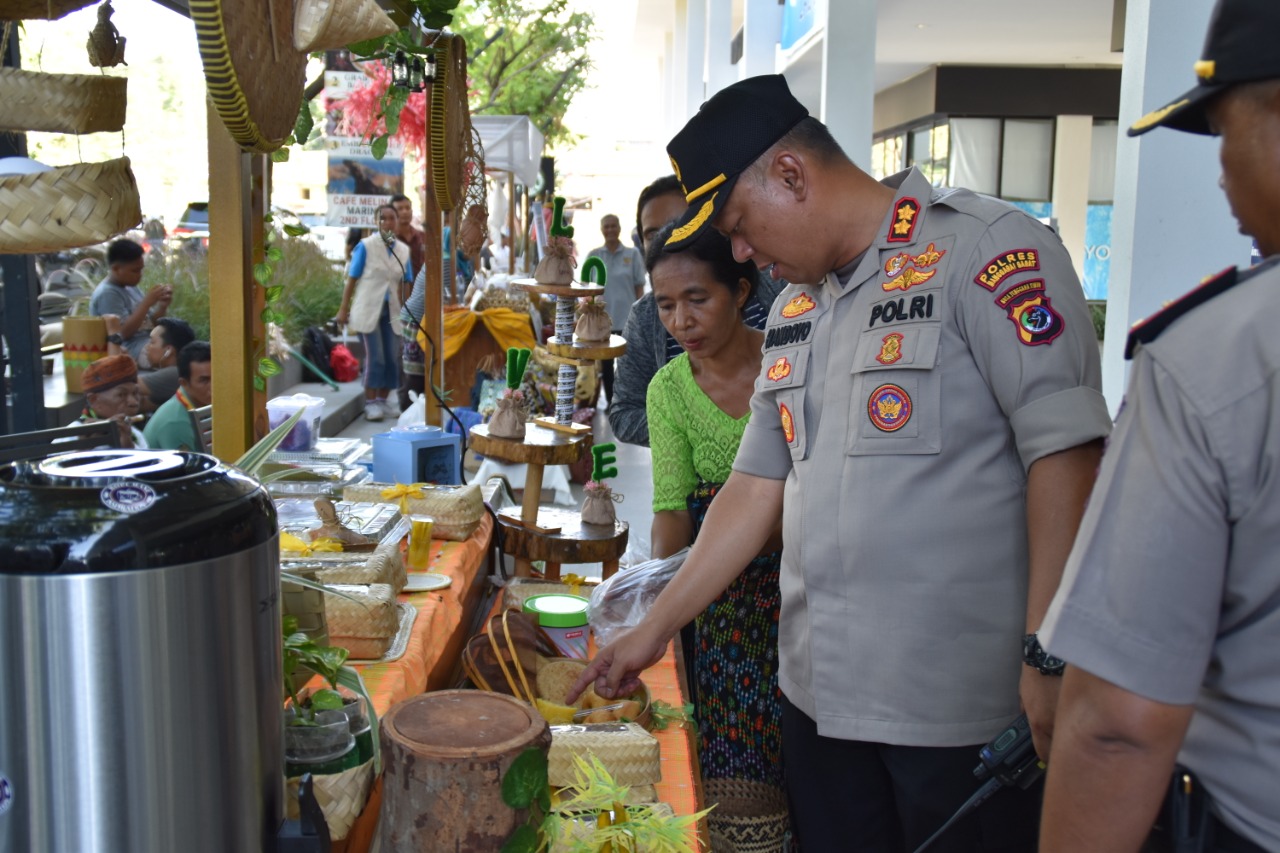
{"points": [[6, 793], [128, 498]]}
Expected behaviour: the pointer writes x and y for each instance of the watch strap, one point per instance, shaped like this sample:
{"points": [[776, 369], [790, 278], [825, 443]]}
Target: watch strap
{"points": [[1034, 656]]}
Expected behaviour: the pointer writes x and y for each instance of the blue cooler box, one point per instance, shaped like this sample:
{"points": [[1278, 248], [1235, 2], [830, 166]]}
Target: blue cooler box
{"points": [[417, 455]]}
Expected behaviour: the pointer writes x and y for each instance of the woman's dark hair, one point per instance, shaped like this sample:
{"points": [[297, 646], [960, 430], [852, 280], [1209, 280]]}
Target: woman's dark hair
{"points": [[176, 333], [713, 249], [354, 235], [662, 186], [378, 213]]}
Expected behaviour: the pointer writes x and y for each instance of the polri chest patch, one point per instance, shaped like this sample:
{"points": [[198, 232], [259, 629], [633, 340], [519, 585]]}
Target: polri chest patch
{"points": [[889, 408]]}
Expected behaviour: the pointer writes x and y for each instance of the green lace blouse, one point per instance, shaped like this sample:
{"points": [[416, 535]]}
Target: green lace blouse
{"points": [[690, 436]]}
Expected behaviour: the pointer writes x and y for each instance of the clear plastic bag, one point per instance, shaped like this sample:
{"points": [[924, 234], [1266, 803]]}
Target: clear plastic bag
{"points": [[623, 600]]}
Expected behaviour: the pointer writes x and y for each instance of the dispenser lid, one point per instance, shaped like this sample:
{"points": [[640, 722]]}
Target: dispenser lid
{"points": [[99, 511], [558, 610]]}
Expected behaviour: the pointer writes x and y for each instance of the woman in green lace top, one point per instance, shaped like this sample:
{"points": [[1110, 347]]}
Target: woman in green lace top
{"points": [[698, 406]]}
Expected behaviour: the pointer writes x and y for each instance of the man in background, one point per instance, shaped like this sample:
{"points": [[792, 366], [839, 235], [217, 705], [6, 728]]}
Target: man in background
{"points": [[1168, 614], [170, 428], [167, 339], [111, 394], [118, 294], [624, 282]]}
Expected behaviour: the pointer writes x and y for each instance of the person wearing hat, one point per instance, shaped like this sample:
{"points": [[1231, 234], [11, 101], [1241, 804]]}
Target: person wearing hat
{"points": [[927, 421], [111, 394], [1168, 614]]}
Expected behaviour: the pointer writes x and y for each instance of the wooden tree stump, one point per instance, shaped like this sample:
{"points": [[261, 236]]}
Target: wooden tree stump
{"points": [[444, 755]]}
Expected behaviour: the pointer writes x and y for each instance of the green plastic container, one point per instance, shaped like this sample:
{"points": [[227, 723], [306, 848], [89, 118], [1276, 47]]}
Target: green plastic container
{"points": [[564, 618]]}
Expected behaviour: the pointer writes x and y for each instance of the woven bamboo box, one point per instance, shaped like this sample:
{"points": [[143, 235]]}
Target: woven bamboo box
{"points": [[630, 753], [455, 510]]}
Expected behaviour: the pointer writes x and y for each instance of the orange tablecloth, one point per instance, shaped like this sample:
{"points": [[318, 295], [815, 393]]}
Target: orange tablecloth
{"points": [[441, 628]]}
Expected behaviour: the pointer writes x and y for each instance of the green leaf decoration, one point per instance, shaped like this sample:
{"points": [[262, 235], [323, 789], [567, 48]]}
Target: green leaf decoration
{"points": [[262, 273], [523, 840], [268, 367], [296, 230], [280, 155], [378, 148], [275, 254], [274, 292], [368, 47], [594, 265], [558, 228], [304, 123], [259, 384], [602, 456], [268, 218], [326, 700], [525, 780], [517, 361]]}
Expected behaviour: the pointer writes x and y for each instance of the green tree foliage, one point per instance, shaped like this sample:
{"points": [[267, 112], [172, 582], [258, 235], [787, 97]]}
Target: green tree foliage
{"points": [[527, 57]]}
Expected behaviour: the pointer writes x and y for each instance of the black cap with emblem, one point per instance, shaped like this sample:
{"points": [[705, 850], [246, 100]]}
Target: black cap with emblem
{"points": [[1240, 48], [729, 133]]}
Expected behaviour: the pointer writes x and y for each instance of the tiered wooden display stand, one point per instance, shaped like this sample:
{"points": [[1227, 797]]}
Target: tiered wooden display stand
{"points": [[554, 534]]}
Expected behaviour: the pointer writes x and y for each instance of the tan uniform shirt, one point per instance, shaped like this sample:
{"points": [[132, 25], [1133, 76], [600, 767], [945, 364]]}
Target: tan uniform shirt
{"points": [[903, 408], [1173, 587]]}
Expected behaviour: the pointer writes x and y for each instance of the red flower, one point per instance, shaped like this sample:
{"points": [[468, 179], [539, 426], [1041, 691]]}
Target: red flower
{"points": [[360, 109]]}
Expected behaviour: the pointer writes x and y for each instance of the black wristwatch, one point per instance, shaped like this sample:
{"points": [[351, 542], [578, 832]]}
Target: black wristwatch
{"points": [[1034, 656], [115, 338]]}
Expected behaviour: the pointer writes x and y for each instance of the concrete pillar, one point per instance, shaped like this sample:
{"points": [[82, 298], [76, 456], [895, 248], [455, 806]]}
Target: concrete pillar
{"points": [[679, 64], [696, 47], [721, 71], [848, 76], [761, 26], [1171, 224], [1072, 156]]}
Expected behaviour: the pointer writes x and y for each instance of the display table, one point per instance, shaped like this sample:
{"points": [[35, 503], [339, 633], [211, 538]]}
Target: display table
{"points": [[441, 628]]}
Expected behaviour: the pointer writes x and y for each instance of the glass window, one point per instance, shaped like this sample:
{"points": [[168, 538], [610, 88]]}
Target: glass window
{"points": [[975, 155], [1027, 158], [1102, 162]]}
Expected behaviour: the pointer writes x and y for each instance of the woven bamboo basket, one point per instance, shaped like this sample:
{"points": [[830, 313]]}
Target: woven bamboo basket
{"points": [[51, 10], [342, 797], [61, 103], [751, 815], [67, 207], [333, 24]]}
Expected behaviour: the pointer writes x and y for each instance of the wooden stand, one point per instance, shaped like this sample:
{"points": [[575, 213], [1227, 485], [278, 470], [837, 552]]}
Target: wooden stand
{"points": [[547, 533], [444, 755]]}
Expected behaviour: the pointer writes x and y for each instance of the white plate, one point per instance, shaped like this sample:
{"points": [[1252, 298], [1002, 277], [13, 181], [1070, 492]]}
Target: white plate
{"points": [[427, 581]]}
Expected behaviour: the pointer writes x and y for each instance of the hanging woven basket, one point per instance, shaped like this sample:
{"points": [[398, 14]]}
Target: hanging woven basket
{"points": [[27, 10], [334, 24], [252, 71], [450, 121], [61, 103], [68, 207]]}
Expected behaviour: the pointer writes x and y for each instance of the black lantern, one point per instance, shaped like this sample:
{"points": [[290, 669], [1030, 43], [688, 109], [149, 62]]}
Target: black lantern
{"points": [[430, 74], [400, 71], [418, 75]]}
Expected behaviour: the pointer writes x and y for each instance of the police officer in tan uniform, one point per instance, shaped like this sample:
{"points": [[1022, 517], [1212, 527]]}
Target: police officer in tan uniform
{"points": [[927, 420], [1169, 611]]}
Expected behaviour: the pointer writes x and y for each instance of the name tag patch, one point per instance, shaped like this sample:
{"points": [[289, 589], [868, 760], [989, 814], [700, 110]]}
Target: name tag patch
{"points": [[783, 336], [889, 408], [902, 309], [1006, 264]]}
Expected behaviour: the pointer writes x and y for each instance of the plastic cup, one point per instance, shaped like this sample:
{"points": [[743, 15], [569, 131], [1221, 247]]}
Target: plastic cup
{"points": [[420, 542]]}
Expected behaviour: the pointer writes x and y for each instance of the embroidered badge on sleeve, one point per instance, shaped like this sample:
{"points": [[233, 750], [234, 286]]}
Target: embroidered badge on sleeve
{"points": [[788, 423], [1035, 319], [1006, 264]]}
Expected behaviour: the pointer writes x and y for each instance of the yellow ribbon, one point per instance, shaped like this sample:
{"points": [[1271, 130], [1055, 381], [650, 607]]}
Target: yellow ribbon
{"points": [[289, 542], [402, 493], [574, 582]]}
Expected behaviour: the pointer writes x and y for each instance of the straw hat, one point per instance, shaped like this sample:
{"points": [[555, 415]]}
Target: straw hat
{"points": [[331, 24], [253, 73]]}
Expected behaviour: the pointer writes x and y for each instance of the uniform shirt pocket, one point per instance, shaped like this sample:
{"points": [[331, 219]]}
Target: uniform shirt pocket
{"points": [[897, 392], [784, 373]]}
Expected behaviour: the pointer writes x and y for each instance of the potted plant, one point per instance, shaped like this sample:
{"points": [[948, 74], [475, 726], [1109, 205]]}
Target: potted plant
{"points": [[321, 728]]}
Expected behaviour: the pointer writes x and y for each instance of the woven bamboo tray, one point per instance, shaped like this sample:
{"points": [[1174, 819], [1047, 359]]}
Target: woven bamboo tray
{"points": [[61, 103], [25, 10], [67, 207]]}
